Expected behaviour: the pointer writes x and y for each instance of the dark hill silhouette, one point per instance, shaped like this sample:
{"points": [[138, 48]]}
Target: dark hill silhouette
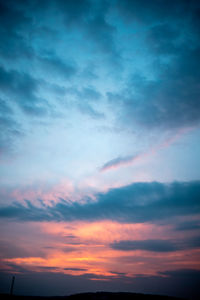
{"points": [[93, 296]]}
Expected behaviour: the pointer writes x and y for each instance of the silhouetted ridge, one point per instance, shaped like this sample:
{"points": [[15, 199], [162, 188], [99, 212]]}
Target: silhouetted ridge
{"points": [[94, 296], [118, 296]]}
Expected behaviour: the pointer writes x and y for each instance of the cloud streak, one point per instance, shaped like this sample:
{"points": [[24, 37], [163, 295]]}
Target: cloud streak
{"points": [[130, 160], [119, 161], [157, 245], [139, 202], [147, 245]]}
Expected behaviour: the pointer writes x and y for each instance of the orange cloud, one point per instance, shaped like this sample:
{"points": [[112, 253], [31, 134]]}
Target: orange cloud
{"points": [[79, 248]]}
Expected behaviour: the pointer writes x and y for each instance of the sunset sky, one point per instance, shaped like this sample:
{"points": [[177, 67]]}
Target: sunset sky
{"points": [[99, 146]]}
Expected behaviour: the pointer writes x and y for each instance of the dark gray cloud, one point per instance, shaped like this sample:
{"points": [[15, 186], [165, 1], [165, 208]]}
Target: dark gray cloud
{"points": [[9, 250], [29, 59], [102, 33], [172, 101], [188, 225], [57, 67], [68, 249], [89, 94], [75, 12], [118, 161], [14, 25], [147, 245], [87, 17], [157, 245], [17, 25], [9, 128], [157, 10], [193, 242], [11, 16], [139, 202], [46, 268], [5, 109], [20, 32], [91, 18], [88, 109], [181, 272], [85, 99], [75, 269], [163, 39], [21, 88]]}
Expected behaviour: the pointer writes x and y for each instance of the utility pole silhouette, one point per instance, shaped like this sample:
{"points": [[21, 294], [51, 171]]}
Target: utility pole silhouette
{"points": [[12, 285]]}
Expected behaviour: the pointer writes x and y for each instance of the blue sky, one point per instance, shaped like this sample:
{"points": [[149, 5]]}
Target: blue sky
{"points": [[99, 128]]}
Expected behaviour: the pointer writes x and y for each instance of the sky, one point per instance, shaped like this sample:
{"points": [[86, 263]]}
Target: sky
{"points": [[99, 146]]}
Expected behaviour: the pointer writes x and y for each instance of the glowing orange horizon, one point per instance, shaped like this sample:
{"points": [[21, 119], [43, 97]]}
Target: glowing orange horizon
{"points": [[85, 248]]}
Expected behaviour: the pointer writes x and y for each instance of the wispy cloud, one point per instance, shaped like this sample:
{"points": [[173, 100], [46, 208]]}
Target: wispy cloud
{"points": [[118, 162], [130, 160]]}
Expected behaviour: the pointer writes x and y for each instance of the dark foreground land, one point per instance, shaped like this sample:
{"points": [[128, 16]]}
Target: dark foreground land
{"points": [[93, 296]]}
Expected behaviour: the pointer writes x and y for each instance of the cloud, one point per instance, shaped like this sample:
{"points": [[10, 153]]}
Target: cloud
{"points": [[165, 95], [9, 250], [193, 242], [157, 245], [101, 32], [9, 128], [75, 12], [89, 93], [147, 245], [14, 25], [163, 39], [155, 11], [117, 162], [75, 269], [86, 99], [181, 273], [188, 225], [88, 109], [170, 102], [21, 89], [138, 202], [57, 67], [131, 159], [90, 17]]}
